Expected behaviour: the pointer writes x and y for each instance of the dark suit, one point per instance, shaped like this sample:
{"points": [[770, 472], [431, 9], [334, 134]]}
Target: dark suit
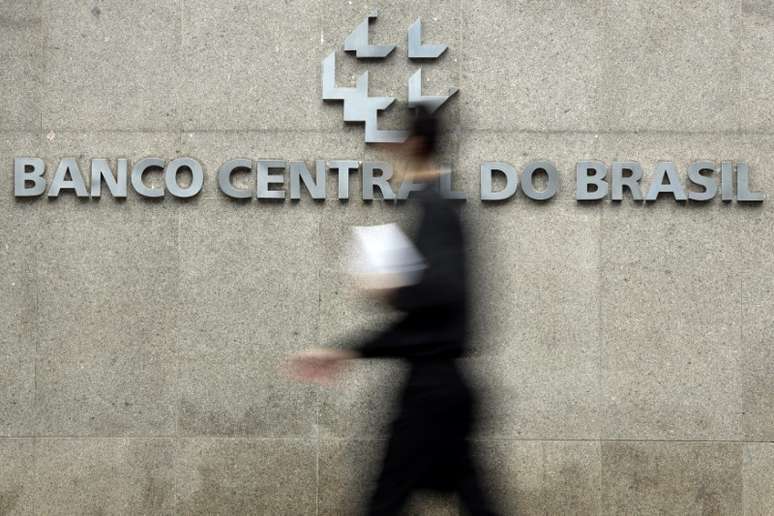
{"points": [[428, 446]]}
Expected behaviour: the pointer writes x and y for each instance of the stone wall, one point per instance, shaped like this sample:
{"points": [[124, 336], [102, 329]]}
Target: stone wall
{"points": [[626, 349]]}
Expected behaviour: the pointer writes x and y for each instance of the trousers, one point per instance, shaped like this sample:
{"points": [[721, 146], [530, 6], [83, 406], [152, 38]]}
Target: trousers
{"points": [[429, 445]]}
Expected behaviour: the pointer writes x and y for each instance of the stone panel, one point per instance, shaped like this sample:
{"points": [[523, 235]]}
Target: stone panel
{"points": [[20, 82], [541, 477], [107, 296], [532, 65], [19, 223], [17, 477], [13, 145], [756, 110], [105, 476], [671, 478], [572, 477], [757, 355], [512, 472], [239, 392], [85, 145], [758, 485], [245, 476], [21, 47], [248, 298], [22, 28], [250, 65], [536, 320], [672, 279], [21, 51], [348, 470], [671, 324], [663, 70], [87, 86]]}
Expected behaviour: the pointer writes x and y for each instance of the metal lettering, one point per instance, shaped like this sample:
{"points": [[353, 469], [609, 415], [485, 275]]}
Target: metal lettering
{"points": [[224, 178], [315, 186], [266, 178], [584, 180], [727, 181], [528, 187], [358, 105], [28, 170], [100, 169], [619, 181], [696, 175], [666, 169], [343, 168], [430, 102], [197, 177], [417, 50], [357, 41], [511, 181], [138, 170], [68, 166], [370, 180], [743, 193]]}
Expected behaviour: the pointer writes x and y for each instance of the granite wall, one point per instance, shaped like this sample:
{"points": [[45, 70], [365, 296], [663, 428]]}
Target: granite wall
{"points": [[626, 349]]}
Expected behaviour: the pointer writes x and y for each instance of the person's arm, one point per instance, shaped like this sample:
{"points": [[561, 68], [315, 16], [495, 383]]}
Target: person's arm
{"points": [[441, 289], [399, 341]]}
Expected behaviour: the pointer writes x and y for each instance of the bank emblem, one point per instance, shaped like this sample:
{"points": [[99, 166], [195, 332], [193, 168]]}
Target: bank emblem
{"points": [[359, 106]]}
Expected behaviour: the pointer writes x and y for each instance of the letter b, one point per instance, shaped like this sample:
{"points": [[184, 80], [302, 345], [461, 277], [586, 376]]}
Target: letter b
{"points": [[584, 180], [28, 170]]}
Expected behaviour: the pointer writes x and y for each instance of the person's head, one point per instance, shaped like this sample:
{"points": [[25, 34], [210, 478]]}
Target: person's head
{"points": [[422, 143]]}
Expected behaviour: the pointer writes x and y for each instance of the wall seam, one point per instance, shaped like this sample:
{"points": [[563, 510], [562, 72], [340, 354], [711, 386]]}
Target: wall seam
{"points": [[459, 130], [44, 20], [177, 360], [740, 357], [176, 439], [516, 130], [320, 124], [602, 397], [247, 437], [318, 389]]}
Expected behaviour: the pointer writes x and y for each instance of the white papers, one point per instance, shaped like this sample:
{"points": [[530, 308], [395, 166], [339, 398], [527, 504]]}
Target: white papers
{"points": [[384, 257]]}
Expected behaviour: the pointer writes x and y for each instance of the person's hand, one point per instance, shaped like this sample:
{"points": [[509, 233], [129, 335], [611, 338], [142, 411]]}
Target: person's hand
{"points": [[318, 365]]}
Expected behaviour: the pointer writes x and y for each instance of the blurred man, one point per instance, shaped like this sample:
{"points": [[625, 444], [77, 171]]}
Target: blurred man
{"points": [[428, 446]]}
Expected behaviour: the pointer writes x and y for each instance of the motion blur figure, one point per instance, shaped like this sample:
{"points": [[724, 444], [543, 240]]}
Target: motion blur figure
{"points": [[428, 446]]}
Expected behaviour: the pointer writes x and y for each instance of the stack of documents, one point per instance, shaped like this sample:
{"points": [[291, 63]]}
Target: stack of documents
{"points": [[384, 257]]}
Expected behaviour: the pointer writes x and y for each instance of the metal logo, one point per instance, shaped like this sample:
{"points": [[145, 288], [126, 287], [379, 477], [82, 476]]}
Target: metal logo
{"points": [[358, 105]]}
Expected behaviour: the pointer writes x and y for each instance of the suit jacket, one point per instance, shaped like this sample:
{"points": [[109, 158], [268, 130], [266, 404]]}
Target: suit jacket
{"points": [[433, 323]]}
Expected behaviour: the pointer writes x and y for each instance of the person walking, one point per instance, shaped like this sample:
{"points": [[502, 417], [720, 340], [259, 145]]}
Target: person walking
{"points": [[428, 446]]}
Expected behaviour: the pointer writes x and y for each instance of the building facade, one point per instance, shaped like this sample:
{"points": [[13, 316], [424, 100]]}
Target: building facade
{"points": [[625, 349]]}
